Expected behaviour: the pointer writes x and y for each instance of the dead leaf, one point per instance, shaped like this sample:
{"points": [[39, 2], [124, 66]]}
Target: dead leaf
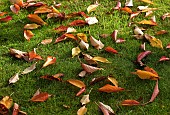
{"points": [[113, 80], [68, 35], [92, 7], [5, 105], [82, 90], [46, 41], [28, 34], [161, 32], [82, 73], [75, 51], [100, 59], [168, 46], [138, 31], [142, 7], [85, 99], [90, 69], [84, 45], [77, 23], [120, 40], [156, 43], [82, 36], [50, 60], [150, 70], [18, 53], [29, 69], [107, 110], [146, 75], [96, 43], [143, 46], [147, 1], [111, 50], [14, 78], [96, 80], [76, 83], [109, 89], [15, 109], [31, 26], [141, 56], [6, 19], [42, 9], [18, 2], [155, 92], [134, 14], [82, 110], [127, 9], [71, 30], [35, 18], [53, 77], [40, 96], [61, 38], [164, 58], [118, 6], [166, 15], [148, 13], [61, 29], [130, 103], [15, 8], [33, 4], [91, 20], [3, 13], [114, 35], [148, 22], [129, 3], [32, 55]]}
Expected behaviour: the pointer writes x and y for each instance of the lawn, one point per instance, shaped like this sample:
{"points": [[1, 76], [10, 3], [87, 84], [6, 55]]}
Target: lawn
{"points": [[121, 66]]}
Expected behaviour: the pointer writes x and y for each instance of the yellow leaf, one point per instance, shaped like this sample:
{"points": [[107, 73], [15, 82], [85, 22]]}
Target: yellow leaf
{"points": [[76, 83], [156, 43], [100, 59], [92, 8], [148, 22], [82, 110], [113, 80], [147, 1], [5, 105], [75, 51], [82, 36]]}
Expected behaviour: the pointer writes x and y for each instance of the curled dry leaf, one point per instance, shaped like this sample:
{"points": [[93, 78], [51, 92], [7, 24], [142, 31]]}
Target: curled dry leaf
{"points": [[134, 14], [111, 50], [147, 1], [15, 109], [148, 22], [82, 110], [42, 9], [129, 3], [85, 99], [28, 34], [50, 60], [156, 42], [82, 90], [127, 9], [107, 110], [32, 55], [161, 32], [148, 13], [17, 53], [61, 38], [138, 31], [29, 69], [84, 45], [71, 30], [33, 4], [3, 13], [90, 69], [92, 7], [76, 83], [68, 35], [89, 59], [143, 46], [40, 96], [77, 23], [82, 73], [14, 78], [100, 59], [146, 75], [61, 29], [82, 36], [118, 5], [53, 77], [113, 80], [96, 80], [6, 19], [120, 40], [5, 105], [31, 26], [35, 18], [166, 15], [114, 35], [130, 103], [164, 58], [15, 8], [18, 2], [75, 51], [96, 43], [150, 70], [91, 20], [155, 92], [141, 56], [142, 7], [109, 89], [46, 41]]}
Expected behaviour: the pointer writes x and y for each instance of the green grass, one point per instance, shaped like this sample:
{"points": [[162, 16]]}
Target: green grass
{"points": [[11, 36]]}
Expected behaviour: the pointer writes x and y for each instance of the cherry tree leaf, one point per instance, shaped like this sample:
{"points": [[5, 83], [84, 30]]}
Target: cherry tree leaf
{"points": [[82, 90], [141, 56], [168, 46], [32, 55], [6, 19], [28, 34], [50, 60], [166, 15], [107, 110], [113, 80], [76, 83], [134, 14], [84, 45], [82, 73], [77, 23], [71, 30], [46, 41], [114, 35], [31, 26], [92, 7], [150, 70], [42, 9], [156, 43], [96, 43], [14, 78], [85, 99], [111, 50], [120, 40], [82, 110], [155, 92], [129, 3], [53, 77], [148, 22], [61, 29], [75, 51], [118, 6], [90, 69], [3, 13], [15, 8], [91, 20], [164, 58], [82, 36], [147, 1], [35, 18], [138, 31], [127, 9], [29, 69], [130, 103], [96, 80], [17, 53], [100, 59], [109, 89], [40, 97], [15, 109], [5, 105], [161, 32], [18, 2]]}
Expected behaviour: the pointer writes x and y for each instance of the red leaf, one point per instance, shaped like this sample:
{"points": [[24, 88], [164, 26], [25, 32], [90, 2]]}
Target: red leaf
{"points": [[110, 88], [155, 92], [141, 56], [61, 29], [61, 38], [118, 6], [78, 23], [168, 46], [41, 97], [15, 109], [164, 58], [6, 19], [130, 103], [111, 50], [83, 89]]}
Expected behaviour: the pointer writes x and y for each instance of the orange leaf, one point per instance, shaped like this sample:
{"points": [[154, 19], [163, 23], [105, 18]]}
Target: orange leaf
{"points": [[150, 70], [161, 32], [76, 83], [155, 92], [50, 60], [148, 22], [70, 36], [15, 8], [113, 80], [43, 9], [109, 88], [78, 23], [28, 34], [31, 26], [61, 38], [90, 69], [18, 2], [127, 9], [53, 77], [111, 50], [46, 41], [61, 29], [33, 55], [35, 18], [3, 13], [6, 19], [40, 97], [130, 103]]}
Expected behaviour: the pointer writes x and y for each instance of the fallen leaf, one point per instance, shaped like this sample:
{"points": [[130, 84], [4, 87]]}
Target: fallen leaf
{"points": [[138, 31], [28, 34], [164, 58], [82, 73], [75, 51], [40, 97], [148, 13], [53, 77], [148, 22], [50, 60], [120, 40], [141, 56], [147, 1], [35, 18], [92, 7], [96, 80], [107, 110], [14, 78], [161, 32], [71, 30], [113, 80], [129, 3], [18, 2], [77, 23], [109, 89], [31, 26], [6, 19], [84, 45], [82, 90], [29, 69], [127, 9], [61, 29], [3, 13], [146, 75], [143, 46], [82, 110], [134, 14], [111, 50], [33, 4], [168, 46], [76, 83], [166, 15], [91, 20], [15, 109], [150, 70], [61, 38], [18, 53], [42, 9], [130, 103], [89, 59], [32, 55], [90, 69], [155, 92], [82, 36], [96, 43], [118, 6], [85, 99], [5, 105], [100, 59], [156, 43], [68, 35], [46, 41], [104, 35], [15, 8], [114, 35], [142, 7]]}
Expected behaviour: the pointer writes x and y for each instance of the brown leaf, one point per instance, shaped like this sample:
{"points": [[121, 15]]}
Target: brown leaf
{"points": [[15, 8], [166, 15], [96, 80], [164, 58], [18, 2], [82, 110], [109, 89], [43, 9], [17, 53], [14, 78], [6, 19], [150, 70], [89, 59], [50, 60], [5, 105], [78, 23], [90, 69], [61, 29], [61, 38], [15, 109], [161, 32], [29, 69], [82, 90], [35, 18], [40, 97], [111, 50], [31, 26], [127, 9], [134, 14], [148, 22], [107, 110], [46, 41], [114, 35], [28, 34], [130, 103], [96, 43], [76, 83]]}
